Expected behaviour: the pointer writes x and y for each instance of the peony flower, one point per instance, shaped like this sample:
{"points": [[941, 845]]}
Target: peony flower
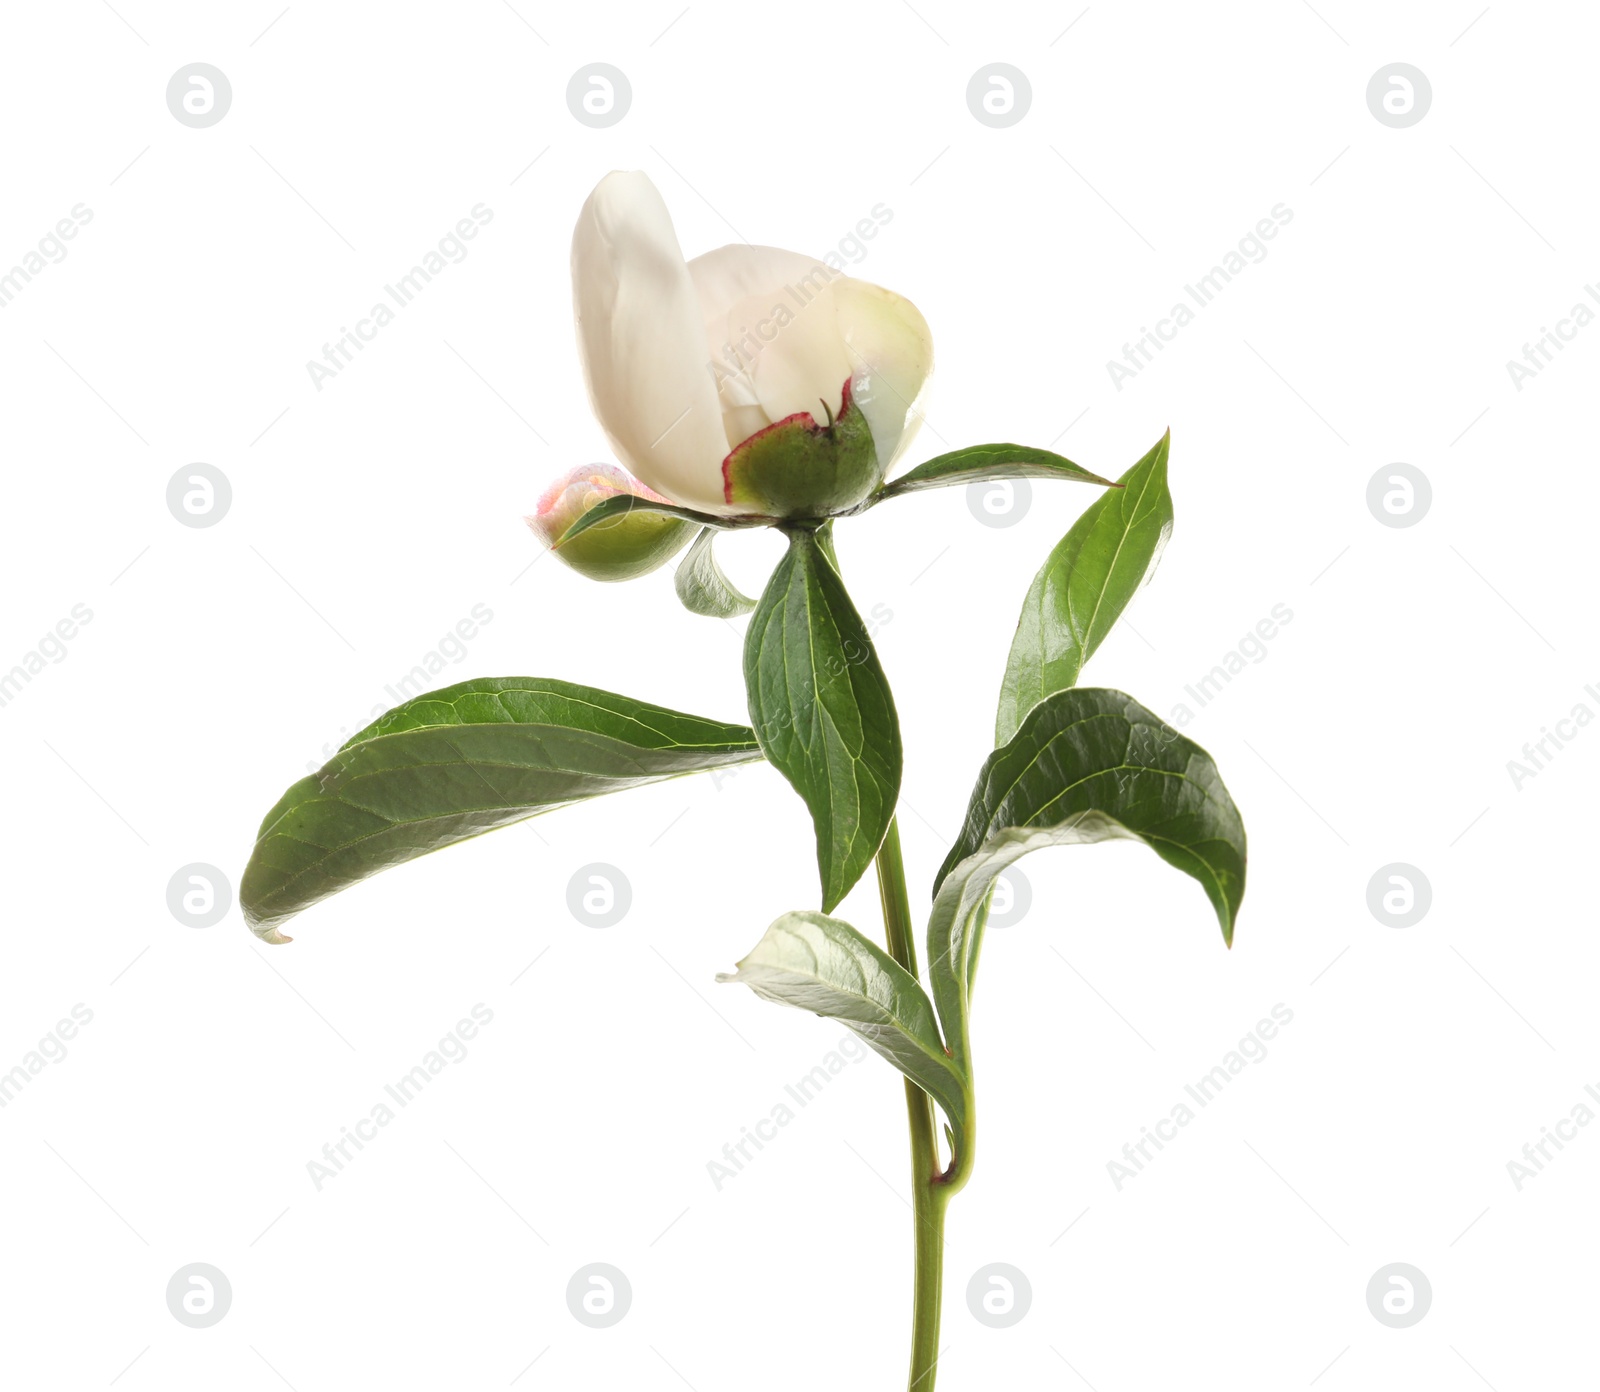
{"points": [[708, 376], [623, 548]]}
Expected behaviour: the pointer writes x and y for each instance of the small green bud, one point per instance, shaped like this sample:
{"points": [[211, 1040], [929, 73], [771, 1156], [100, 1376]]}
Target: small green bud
{"points": [[622, 549]]}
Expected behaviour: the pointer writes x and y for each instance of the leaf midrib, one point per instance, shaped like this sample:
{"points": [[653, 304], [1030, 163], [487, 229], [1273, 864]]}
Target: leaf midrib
{"points": [[1124, 766], [1131, 513], [583, 702], [393, 824]]}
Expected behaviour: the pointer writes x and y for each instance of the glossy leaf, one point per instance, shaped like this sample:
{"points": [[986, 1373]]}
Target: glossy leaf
{"points": [[1084, 586], [821, 707], [1087, 765], [980, 462], [823, 965], [702, 586], [455, 763]]}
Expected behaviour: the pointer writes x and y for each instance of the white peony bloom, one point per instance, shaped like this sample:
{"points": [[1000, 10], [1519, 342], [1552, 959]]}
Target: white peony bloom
{"points": [[686, 360]]}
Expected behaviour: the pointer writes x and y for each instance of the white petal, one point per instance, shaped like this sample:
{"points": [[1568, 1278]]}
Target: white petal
{"points": [[642, 341], [732, 273], [771, 325], [891, 356]]}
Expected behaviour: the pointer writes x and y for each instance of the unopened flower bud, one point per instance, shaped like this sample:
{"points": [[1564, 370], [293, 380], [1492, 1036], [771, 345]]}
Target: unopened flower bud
{"points": [[623, 548]]}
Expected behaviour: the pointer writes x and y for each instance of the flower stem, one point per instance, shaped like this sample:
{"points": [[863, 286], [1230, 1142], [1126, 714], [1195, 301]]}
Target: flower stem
{"points": [[928, 1192]]}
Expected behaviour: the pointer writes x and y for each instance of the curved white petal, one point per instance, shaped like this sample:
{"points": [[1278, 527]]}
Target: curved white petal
{"points": [[642, 342], [732, 273], [771, 326], [891, 356]]}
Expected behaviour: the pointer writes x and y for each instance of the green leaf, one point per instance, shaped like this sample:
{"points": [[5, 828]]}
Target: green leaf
{"points": [[625, 503], [822, 710], [1087, 765], [702, 586], [455, 763], [822, 964], [1084, 586], [986, 462]]}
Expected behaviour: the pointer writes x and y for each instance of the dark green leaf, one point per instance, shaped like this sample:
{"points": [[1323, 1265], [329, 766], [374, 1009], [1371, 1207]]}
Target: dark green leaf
{"points": [[455, 763], [1087, 765], [986, 462], [822, 710], [624, 503], [702, 586], [824, 965], [1084, 586]]}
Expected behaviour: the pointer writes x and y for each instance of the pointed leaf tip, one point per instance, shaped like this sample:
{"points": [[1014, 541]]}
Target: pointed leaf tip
{"points": [[1083, 587]]}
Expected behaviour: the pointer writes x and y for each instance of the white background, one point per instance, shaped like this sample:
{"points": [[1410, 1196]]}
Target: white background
{"points": [[372, 515]]}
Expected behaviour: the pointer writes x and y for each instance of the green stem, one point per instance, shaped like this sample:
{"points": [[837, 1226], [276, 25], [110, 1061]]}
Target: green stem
{"points": [[930, 1194]]}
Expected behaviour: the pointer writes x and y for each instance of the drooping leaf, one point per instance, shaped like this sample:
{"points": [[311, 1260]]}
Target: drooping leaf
{"points": [[455, 763], [822, 964], [702, 586], [979, 462], [1087, 765], [624, 503], [822, 709], [1084, 586]]}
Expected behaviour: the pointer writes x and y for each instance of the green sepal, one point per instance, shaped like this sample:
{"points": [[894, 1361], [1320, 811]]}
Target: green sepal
{"points": [[795, 468], [627, 504]]}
